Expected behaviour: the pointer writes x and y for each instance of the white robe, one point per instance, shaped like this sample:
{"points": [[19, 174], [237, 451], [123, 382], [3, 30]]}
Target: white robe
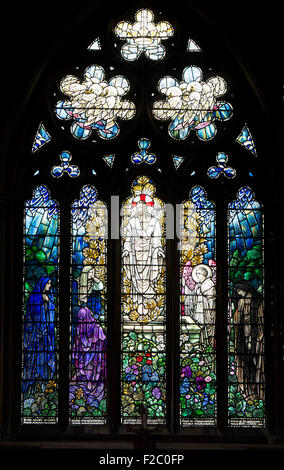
{"points": [[143, 256], [200, 305]]}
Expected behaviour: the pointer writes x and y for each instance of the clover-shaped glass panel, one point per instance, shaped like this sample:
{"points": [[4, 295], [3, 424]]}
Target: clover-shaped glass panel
{"points": [[65, 167], [94, 103], [221, 168], [192, 104], [143, 156]]}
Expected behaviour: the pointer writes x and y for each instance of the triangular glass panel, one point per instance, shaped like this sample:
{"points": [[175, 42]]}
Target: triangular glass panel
{"points": [[109, 159], [95, 45], [245, 139], [192, 46], [41, 138], [177, 161]]}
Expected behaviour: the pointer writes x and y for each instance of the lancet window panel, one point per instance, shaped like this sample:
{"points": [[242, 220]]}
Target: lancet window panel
{"points": [[143, 305], [246, 379], [198, 400], [40, 347], [88, 322]]}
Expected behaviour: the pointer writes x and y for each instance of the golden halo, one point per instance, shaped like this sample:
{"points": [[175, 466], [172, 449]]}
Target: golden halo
{"points": [[143, 185]]}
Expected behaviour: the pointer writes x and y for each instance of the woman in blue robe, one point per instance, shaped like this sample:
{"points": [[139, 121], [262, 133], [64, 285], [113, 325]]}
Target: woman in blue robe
{"points": [[39, 338]]}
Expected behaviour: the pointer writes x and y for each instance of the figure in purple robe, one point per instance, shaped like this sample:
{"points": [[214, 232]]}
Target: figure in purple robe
{"points": [[89, 346], [39, 338]]}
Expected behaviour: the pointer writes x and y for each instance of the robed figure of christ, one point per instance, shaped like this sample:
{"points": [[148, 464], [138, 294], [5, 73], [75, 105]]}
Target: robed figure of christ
{"points": [[143, 256]]}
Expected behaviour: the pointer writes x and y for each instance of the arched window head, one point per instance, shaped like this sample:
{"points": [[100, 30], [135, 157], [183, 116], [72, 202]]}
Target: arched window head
{"points": [[164, 326]]}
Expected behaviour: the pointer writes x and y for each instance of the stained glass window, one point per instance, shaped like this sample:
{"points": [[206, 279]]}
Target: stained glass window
{"points": [[245, 311], [222, 168], [192, 46], [143, 377], [143, 36], [65, 167], [88, 339], [42, 137], [192, 105], [144, 155], [160, 296], [198, 311], [94, 103], [245, 139], [40, 309]]}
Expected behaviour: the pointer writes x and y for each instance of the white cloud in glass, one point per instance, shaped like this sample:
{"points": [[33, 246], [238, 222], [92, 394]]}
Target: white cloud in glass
{"points": [[143, 36], [192, 104], [95, 103]]}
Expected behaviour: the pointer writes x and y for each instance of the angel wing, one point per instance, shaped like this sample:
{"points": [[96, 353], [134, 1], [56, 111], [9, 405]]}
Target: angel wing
{"points": [[187, 276], [212, 265]]}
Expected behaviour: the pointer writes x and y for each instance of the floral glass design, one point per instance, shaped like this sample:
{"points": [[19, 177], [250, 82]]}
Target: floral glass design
{"points": [[143, 36], [198, 311], [143, 305], [246, 388], [87, 391], [192, 104], [40, 310], [94, 103]]}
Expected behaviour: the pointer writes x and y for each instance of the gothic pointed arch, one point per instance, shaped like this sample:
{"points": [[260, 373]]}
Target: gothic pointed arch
{"points": [[149, 134]]}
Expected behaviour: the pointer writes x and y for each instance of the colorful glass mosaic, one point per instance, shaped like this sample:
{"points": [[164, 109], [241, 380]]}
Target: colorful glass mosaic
{"points": [[198, 311], [65, 167], [40, 310], [245, 139], [87, 391], [221, 169], [177, 161], [246, 389], [143, 374], [42, 137], [109, 159], [143, 155], [192, 105], [94, 103]]}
